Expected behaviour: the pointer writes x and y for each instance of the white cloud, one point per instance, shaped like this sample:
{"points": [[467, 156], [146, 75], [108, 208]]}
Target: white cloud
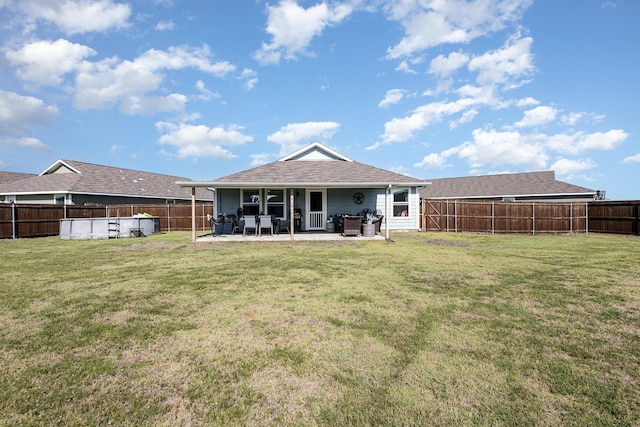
{"points": [[437, 160], [32, 143], [165, 26], [538, 116], [200, 140], [78, 16], [402, 129], [444, 66], [45, 62], [580, 142], [250, 78], [260, 159], [431, 23], [205, 94], [292, 28], [19, 113], [290, 137], [509, 65], [567, 167], [632, 159], [527, 102], [466, 117], [490, 147], [134, 105], [393, 96], [107, 83]]}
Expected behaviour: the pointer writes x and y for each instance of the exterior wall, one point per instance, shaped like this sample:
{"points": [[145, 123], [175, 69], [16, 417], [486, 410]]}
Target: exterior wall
{"points": [[339, 202], [227, 201], [38, 199], [401, 223]]}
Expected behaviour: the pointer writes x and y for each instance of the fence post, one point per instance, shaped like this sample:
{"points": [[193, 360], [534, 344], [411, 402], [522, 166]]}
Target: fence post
{"points": [[13, 220], [586, 217], [493, 217], [455, 215], [447, 216], [570, 217], [533, 218], [168, 217]]}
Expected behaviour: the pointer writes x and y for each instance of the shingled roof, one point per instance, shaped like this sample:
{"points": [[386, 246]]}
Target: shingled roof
{"points": [[313, 166], [13, 176], [70, 176], [517, 186]]}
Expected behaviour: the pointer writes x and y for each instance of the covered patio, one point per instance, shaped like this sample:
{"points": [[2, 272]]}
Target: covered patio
{"points": [[312, 191]]}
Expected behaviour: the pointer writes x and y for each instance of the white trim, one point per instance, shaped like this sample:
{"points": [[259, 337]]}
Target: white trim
{"points": [[57, 165], [315, 146]]}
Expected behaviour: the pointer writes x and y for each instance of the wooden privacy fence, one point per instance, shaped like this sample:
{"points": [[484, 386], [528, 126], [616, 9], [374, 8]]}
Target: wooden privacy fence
{"points": [[621, 217], [615, 217], [25, 220], [505, 217]]}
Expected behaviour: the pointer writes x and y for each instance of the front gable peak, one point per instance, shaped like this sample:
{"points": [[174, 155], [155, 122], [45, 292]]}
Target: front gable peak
{"points": [[60, 166], [315, 152]]}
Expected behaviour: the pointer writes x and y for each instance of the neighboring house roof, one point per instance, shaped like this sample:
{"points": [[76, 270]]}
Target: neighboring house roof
{"points": [[13, 176], [313, 166], [515, 185], [73, 177]]}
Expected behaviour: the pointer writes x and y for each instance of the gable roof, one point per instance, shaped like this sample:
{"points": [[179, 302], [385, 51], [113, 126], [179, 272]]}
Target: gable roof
{"points": [[313, 166], [73, 177], [515, 185]]}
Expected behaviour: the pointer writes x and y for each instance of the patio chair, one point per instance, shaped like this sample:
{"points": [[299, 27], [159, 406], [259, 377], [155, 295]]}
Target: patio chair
{"points": [[249, 223], [265, 223], [216, 225], [351, 225]]}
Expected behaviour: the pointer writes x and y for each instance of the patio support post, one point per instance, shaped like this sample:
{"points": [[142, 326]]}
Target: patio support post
{"points": [[386, 211], [193, 214], [291, 219]]}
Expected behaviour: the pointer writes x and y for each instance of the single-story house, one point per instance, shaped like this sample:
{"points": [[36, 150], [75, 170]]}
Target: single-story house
{"points": [[69, 182], [528, 186], [317, 184]]}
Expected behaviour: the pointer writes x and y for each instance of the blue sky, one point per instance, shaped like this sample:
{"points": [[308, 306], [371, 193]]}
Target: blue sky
{"points": [[428, 88]]}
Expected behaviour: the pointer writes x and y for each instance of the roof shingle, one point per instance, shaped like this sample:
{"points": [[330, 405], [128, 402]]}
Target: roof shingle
{"points": [[504, 185]]}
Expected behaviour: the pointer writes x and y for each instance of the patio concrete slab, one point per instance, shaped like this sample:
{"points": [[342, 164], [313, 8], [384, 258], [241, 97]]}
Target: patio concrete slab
{"points": [[298, 237]]}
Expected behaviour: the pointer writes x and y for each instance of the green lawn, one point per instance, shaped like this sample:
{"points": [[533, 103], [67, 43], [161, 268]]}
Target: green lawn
{"points": [[430, 329]]}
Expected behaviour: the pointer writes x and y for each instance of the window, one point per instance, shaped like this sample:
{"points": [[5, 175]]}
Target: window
{"points": [[251, 202], [275, 203], [401, 202]]}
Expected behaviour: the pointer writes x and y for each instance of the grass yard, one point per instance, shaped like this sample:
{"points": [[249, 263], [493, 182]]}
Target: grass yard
{"points": [[433, 329]]}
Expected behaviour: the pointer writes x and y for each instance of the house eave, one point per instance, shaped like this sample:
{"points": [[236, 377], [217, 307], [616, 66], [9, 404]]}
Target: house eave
{"points": [[222, 184]]}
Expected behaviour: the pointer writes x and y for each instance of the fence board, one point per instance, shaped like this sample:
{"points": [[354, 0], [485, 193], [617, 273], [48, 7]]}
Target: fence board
{"points": [[619, 217]]}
